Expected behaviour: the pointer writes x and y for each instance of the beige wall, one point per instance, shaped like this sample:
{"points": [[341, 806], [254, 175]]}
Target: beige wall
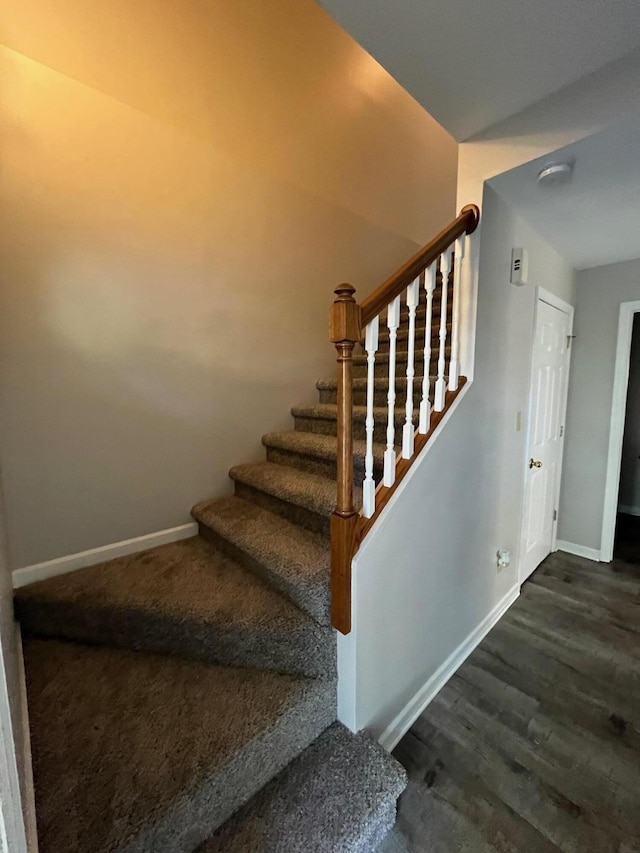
{"points": [[181, 188]]}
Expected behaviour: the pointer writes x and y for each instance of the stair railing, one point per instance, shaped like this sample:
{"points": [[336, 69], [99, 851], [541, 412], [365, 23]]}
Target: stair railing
{"points": [[436, 270]]}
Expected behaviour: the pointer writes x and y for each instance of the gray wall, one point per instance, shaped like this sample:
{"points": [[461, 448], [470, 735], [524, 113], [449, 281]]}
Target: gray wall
{"points": [[629, 494], [426, 576], [599, 292]]}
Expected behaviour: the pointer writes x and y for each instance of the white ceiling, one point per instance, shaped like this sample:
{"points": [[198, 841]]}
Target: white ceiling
{"points": [[472, 63], [595, 218]]}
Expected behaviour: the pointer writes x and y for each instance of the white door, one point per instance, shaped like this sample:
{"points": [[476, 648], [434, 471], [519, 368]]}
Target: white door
{"points": [[547, 407]]}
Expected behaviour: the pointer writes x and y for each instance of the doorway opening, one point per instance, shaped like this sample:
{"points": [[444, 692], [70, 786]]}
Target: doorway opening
{"points": [[621, 519], [627, 536]]}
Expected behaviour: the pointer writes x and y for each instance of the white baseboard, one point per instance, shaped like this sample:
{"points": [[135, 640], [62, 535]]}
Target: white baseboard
{"points": [[29, 804], [401, 724], [62, 565], [629, 510], [578, 550]]}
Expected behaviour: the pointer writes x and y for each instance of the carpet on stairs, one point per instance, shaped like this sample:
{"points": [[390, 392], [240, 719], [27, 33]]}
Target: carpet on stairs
{"points": [[185, 697]]}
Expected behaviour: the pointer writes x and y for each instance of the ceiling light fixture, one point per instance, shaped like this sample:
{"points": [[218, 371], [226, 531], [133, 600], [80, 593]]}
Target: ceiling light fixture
{"points": [[555, 174]]}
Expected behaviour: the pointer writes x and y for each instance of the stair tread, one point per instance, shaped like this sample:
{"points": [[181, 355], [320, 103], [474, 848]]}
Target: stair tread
{"points": [[297, 559], [338, 795], [421, 322], [138, 752], [402, 332], [401, 356], [329, 411], [314, 492], [382, 382], [183, 598], [316, 444]]}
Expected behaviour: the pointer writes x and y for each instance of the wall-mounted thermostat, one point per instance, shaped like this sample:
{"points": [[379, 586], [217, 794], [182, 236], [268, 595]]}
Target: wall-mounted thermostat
{"points": [[519, 266]]}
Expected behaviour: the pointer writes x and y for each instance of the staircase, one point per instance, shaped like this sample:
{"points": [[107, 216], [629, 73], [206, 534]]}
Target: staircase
{"points": [[184, 698]]}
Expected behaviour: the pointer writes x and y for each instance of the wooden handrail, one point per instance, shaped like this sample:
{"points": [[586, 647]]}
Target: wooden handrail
{"points": [[346, 324], [465, 223]]}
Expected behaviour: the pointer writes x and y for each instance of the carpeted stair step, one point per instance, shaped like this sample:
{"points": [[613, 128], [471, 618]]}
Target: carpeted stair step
{"points": [[421, 310], [185, 598], [293, 560], [338, 796], [328, 390], [322, 419], [403, 336], [300, 497], [381, 366], [383, 329], [141, 753], [317, 453]]}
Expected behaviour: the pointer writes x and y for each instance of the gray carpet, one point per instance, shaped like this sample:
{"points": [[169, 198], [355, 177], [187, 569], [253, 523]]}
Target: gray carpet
{"points": [[322, 418], [136, 752], [338, 796], [381, 367], [328, 389], [303, 498], [167, 689], [317, 454], [294, 560], [184, 598]]}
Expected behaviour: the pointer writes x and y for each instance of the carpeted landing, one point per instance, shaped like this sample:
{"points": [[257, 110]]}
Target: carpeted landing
{"points": [[184, 698]]}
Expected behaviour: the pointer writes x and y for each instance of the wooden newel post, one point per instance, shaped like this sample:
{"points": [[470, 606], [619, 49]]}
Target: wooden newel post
{"points": [[344, 332]]}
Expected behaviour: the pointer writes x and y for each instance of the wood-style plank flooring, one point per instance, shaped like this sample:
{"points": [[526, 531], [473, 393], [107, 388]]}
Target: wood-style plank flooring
{"points": [[534, 745]]}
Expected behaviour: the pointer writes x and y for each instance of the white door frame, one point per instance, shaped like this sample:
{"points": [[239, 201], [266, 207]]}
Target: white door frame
{"points": [[616, 428], [13, 837], [542, 295], [12, 827]]}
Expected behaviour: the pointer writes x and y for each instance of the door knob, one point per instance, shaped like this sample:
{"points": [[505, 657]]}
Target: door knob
{"points": [[534, 464]]}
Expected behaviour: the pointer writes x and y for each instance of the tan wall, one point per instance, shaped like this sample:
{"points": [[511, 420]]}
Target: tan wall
{"points": [[182, 186]]}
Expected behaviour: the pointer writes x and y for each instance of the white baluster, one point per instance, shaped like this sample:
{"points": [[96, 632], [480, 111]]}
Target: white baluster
{"points": [[425, 405], [413, 295], [454, 362], [441, 385], [393, 321], [369, 486]]}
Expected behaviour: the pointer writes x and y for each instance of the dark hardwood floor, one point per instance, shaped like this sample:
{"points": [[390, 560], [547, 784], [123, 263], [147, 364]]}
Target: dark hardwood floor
{"points": [[534, 745]]}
